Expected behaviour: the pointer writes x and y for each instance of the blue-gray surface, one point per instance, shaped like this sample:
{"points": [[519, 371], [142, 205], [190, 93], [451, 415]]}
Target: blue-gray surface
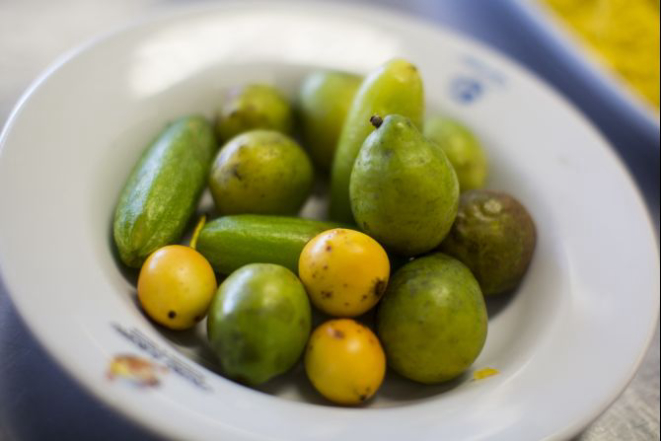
{"points": [[39, 401]]}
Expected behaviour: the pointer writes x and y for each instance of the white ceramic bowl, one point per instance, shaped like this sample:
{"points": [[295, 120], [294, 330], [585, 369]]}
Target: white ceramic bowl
{"points": [[566, 344]]}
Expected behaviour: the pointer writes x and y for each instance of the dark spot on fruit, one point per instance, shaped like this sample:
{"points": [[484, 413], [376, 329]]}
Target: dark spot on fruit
{"points": [[326, 294], [362, 397], [346, 303], [346, 285], [329, 248], [363, 298], [379, 287], [172, 314], [325, 267], [337, 333], [235, 172]]}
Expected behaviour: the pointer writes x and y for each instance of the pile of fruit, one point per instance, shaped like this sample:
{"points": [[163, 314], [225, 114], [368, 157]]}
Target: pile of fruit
{"points": [[404, 197]]}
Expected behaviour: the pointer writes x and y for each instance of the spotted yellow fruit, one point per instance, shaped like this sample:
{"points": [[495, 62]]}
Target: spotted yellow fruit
{"points": [[175, 286], [345, 272], [345, 362]]}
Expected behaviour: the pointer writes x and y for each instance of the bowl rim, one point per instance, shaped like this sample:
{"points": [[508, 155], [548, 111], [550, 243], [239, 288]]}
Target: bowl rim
{"points": [[41, 333], [561, 39]]}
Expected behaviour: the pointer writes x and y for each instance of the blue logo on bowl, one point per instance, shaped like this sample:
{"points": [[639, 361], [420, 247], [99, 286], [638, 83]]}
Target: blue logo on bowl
{"points": [[466, 90]]}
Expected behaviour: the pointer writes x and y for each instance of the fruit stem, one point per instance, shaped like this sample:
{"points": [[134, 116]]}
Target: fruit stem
{"points": [[196, 233], [376, 121]]}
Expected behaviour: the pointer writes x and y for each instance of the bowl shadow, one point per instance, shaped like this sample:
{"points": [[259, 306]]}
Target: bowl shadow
{"points": [[294, 382], [397, 388], [193, 343], [129, 274], [498, 303]]}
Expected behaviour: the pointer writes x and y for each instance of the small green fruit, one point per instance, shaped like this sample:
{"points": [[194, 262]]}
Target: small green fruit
{"points": [[255, 106], [462, 148], [261, 172], [259, 323], [432, 321]]}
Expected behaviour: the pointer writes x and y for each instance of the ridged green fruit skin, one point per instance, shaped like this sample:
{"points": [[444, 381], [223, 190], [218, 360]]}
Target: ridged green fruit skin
{"points": [[323, 105], [259, 322], [432, 320], [404, 191], [394, 88], [230, 242], [163, 190]]}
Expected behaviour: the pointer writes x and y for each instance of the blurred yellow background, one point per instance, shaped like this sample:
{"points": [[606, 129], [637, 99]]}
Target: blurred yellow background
{"points": [[624, 34]]}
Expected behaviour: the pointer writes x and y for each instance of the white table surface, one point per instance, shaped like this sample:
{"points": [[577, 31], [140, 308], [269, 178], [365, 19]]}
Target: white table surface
{"points": [[40, 401]]}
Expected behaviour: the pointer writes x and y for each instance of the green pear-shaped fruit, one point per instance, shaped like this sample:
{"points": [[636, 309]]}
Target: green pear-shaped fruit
{"points": [[394, 88], [323, 104], [404, 191]]}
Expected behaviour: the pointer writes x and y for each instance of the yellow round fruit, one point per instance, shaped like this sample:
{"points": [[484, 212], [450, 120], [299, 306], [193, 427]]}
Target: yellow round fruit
{"points": [[345, 361], [345, 272], [175, 286]]}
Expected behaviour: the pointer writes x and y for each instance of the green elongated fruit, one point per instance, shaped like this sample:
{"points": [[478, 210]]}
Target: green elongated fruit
{"points": [[395, 88], [231, 242], [163, 189]]}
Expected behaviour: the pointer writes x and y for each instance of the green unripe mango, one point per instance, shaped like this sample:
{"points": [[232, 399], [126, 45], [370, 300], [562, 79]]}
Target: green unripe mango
{"points": [[230, 242], [259, 322], [494, 236], [404, 191], [261, 172], [394, 88], [462, 148], [163, 190], [323, 103], [255, 106], [432, 320]]}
